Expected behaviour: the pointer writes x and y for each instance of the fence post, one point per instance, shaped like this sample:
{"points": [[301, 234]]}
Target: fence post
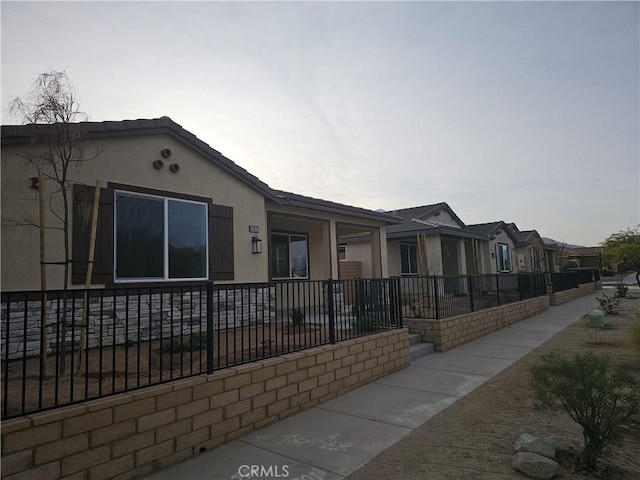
{"points": [[392, 300], [436, 302], [332, 313], [470, 286], [520, 286], [398, 290], [209, 327], [498, 287]]}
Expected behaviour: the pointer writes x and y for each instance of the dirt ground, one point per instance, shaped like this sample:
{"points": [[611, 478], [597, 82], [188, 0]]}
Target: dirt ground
{"points": [[473, 439], [112, 370]]}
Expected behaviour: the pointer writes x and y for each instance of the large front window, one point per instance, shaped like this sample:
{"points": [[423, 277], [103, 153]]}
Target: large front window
{"points": [[504, 258], [289, 256], [409, 259], [160, 238]]}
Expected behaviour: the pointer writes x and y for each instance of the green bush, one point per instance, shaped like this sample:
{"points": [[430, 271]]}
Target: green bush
{"points": [[602, 397]]}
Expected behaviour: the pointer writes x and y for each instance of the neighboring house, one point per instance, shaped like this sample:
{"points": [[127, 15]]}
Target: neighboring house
{"points": [[501, 247], [580, 257], [530, 254], [430, 240], [172, 211]]}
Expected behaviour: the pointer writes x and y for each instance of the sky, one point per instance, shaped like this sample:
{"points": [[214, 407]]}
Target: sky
{"points": [[527, 112]]}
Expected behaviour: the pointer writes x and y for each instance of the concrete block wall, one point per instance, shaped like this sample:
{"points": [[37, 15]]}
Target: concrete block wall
{"points": [[450, 332], [559, 298], [133, 434]]}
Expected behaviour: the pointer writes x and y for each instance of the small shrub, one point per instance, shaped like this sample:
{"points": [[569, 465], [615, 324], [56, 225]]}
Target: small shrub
{"points": [[186, 343], [621, 290], [297, 316], [609, 303], [600, 396], [366, 323]]}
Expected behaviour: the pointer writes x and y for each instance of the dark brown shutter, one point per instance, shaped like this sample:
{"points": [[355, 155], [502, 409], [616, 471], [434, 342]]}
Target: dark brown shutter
{"points": [[81, 231], [220, 242]]}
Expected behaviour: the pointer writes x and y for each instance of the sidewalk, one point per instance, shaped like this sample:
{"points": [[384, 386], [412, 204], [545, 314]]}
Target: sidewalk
{"points": [[336, 438]]}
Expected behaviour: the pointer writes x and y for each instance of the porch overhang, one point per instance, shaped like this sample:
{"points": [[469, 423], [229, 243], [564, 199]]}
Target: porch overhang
{"points": [[442, 231]]}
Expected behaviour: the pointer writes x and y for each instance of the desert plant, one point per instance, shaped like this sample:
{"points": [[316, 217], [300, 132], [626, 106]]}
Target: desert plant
{"points": [[297, 316], [609, 303], [599, 395], [621, 290]]}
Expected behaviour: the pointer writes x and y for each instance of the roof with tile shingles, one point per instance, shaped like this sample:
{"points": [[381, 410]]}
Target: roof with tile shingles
{"points": [[21, 134]]}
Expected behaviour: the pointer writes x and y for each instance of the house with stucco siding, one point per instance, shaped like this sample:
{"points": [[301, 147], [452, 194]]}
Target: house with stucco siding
{"points": [[172, 211]]}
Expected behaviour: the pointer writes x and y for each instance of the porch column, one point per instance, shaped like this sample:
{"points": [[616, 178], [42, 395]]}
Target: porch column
{"points": [[462, 257], [384, 251], [333, 250], [376, 253]]}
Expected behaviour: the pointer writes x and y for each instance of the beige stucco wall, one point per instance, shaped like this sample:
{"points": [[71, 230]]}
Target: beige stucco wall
{"points": [[361, 252], [125, 160]]}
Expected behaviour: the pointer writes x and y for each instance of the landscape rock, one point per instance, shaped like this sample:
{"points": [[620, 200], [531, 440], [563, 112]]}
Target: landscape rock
{"points": [[533, 444], [534, 465], [561, 444]]}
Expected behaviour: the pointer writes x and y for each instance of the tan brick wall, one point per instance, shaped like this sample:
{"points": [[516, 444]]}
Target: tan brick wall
{"points": [[451, 332], [559, 298], [132, 434]]}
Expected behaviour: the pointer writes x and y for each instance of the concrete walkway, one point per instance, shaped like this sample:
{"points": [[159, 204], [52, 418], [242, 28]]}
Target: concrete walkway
{"points": [[339, 436]]}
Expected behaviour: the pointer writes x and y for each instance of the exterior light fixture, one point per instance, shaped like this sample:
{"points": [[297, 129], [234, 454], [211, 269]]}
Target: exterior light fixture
{"points": [[256, 244]]}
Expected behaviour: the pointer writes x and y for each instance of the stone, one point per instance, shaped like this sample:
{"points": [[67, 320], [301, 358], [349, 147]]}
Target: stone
{"points": [[559, 443], [534, 465], [533, 444]]}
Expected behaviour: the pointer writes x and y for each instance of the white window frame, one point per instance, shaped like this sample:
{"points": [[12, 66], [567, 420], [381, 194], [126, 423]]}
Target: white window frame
{"points": [[166, 277], [289, 235], [501, 260], [413, 248]]}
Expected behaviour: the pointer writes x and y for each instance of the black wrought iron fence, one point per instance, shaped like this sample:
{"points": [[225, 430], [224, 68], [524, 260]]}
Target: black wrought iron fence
{"points": [[562, 281], [63, 347], [447, 296]]}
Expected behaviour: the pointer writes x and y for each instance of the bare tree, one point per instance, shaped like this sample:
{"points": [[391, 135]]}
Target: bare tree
{"points": [[57, 145], [53, 108]]}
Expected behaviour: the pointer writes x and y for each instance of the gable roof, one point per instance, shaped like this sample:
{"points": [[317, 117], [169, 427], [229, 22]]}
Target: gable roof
{"points": [[491, 229], [417, 220], [487, 229], [27, 134], [20, 134]]}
